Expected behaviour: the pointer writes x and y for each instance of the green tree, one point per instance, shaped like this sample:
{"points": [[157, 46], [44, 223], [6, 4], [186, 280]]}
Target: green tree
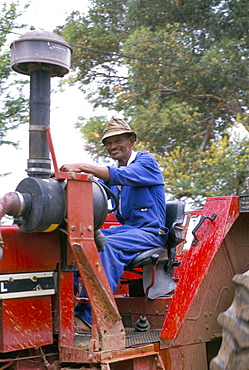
{"points": [[14, 105], [178, 71]]}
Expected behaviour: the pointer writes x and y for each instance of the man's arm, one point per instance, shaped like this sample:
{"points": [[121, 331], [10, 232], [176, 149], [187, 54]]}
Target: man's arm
{"points": [[102, 173], [143, 171]]}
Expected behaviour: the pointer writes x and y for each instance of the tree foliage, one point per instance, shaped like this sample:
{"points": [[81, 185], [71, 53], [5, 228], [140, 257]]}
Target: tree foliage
{"points": [[178, 72], [14, 106]]}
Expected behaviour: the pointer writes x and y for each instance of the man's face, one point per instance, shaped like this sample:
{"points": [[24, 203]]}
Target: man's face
{"points": [[119, 147]]}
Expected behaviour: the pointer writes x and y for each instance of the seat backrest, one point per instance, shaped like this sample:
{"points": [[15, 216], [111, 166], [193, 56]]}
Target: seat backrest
{"points": [[174, 222]]}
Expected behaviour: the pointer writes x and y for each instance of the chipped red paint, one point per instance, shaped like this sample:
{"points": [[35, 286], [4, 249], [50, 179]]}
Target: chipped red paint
{"points": [[199, 258]]}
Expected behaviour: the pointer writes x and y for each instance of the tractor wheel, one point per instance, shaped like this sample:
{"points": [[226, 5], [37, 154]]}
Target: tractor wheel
{"points": [[234, 350]]}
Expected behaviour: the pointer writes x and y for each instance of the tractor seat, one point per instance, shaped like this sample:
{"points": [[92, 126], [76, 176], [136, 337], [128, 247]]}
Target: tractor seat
{"points": [[163, 258]]}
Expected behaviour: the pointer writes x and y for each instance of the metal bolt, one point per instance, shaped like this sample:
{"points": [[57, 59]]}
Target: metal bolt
{"points": [[90, 227], [73, 228], [97, 264], [73, 176]]}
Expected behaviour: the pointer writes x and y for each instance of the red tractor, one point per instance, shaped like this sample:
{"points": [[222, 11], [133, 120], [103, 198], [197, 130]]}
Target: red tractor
{"points": [[163, 314]]}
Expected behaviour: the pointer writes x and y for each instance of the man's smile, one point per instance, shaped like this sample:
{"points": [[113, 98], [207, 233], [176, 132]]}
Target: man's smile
{"points": [[116, 150]]}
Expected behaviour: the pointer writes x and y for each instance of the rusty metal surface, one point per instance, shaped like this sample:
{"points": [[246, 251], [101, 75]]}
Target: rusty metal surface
{"points": [[216, 291], [214, 295], [25, 323], [25, 252], [198, 261], [146, 362], [107, 328], [131, 308], [133, 338], [43, 49], [35, 359], [119, 358], [64, 309], [77, 355], [191, 357]]}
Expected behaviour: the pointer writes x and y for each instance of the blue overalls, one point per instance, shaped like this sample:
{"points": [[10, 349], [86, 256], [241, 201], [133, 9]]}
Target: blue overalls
{"points": [[142, 213]]}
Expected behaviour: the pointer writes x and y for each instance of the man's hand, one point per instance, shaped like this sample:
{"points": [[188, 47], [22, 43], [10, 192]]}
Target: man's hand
{"points": [[102, 173], [73, 167]]}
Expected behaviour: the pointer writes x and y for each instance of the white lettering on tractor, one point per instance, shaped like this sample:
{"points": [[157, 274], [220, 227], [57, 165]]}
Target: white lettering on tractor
{"points": [[2, 289]]}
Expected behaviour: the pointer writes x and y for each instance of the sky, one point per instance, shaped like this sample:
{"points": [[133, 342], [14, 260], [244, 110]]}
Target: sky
{"points": [[65, 106]]}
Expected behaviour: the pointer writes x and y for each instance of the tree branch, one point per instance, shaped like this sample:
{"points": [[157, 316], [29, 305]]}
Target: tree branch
{"points": [[215, 97]]}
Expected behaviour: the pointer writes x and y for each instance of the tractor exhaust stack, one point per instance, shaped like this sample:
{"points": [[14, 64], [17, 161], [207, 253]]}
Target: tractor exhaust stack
{"points": [[41, 55]]}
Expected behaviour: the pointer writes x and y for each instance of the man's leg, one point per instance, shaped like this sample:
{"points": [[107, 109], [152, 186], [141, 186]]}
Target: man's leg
{"points": [[122, 245]]}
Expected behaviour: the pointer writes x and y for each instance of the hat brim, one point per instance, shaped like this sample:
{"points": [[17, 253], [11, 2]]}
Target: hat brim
{"points": [[118, 132]]}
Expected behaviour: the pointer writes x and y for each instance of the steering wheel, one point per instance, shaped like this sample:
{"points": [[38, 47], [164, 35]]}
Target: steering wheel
{"points": [[111, 195]]}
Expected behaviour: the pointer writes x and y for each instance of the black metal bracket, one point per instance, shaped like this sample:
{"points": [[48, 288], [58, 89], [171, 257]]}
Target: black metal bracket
{"points": [[212, 218], [63, 243]]}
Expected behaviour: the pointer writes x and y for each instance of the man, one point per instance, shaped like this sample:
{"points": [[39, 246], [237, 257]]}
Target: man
{"points": [[137, 181]]}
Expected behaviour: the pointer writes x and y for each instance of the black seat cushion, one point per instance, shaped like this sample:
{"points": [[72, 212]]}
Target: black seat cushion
{"points": [[144, 258]]}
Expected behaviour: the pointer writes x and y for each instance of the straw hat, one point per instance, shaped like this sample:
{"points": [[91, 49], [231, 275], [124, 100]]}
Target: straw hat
{"points": [[117, 126]]}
